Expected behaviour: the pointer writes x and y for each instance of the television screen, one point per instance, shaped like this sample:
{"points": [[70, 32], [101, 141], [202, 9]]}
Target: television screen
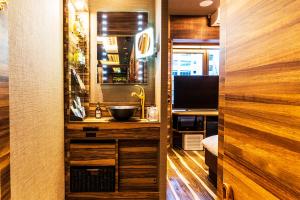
{"points": [[196, 92]]}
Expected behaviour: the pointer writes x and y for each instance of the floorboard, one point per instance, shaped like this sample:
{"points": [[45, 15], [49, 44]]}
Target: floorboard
{"points": [[188, 176]]}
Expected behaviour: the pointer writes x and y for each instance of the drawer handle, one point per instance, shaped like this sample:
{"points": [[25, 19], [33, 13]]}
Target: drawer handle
{"points": [[90, 129], [90, 134], [227, 192], [92, 170]]}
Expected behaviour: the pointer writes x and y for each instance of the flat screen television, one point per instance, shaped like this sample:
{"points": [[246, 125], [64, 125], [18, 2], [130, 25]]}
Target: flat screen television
{"points": [[196, 92]]}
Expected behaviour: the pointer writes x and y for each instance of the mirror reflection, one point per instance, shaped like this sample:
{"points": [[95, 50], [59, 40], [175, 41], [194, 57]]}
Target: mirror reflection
{"points": [[144, 43], [116, 47]]}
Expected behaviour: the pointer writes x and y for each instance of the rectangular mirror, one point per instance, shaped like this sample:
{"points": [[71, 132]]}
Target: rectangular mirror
{"points": [[116, 48]]}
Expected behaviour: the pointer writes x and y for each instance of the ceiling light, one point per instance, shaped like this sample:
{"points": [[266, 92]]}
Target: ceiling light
{"points": [[206, 3]]}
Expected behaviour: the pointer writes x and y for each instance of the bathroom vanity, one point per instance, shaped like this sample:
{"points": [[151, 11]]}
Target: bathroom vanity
{"points": [[109, 62], [110, 159]]}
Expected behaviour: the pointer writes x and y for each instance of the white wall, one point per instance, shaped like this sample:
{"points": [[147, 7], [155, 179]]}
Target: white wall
{"points": [[36, 99]]}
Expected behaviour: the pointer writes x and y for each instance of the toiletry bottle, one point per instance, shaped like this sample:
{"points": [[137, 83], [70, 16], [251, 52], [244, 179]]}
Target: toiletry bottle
{"points": [[98, 111]]}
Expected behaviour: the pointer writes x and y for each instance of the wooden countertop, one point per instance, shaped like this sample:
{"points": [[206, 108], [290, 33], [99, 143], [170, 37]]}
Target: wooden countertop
{"points": [[110, 123], [196, 112]]}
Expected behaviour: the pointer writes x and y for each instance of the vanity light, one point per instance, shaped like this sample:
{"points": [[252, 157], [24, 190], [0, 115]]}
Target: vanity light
{"points": [[140, 78], [104, 16], [104, 72], [104, 22], [206, 3], [140, 72], [140, 22], [104, 53], [140, 28], [104, 78], [104, 28], [104, 34], [104, 66], [140, 16]]}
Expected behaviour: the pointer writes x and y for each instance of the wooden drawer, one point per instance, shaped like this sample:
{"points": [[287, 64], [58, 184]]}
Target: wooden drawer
{"points": [[138, 179], [93, 153], [138, 165]]}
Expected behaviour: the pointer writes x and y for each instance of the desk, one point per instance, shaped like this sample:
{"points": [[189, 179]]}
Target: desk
{"points": [[189, 137], [196, 112]]}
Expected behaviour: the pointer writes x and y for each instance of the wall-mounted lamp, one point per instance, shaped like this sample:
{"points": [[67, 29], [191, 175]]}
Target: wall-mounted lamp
{"points": [[3, 4]]}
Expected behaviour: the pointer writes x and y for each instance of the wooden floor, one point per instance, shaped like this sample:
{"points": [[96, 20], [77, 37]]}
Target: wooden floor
{"points": [[188, 176]]}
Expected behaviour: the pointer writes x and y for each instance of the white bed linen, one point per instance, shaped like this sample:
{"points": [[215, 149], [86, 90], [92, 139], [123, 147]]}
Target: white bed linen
{"points": [[211, 144]]}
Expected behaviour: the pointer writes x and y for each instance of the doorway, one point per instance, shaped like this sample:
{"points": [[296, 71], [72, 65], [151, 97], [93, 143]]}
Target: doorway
{"points": [[188, 173]]}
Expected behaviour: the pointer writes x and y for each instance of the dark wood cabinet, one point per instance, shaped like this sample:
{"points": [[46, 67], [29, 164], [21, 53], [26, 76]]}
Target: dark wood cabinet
{"points": [[123, 157], [138, 165], [93, 153]]}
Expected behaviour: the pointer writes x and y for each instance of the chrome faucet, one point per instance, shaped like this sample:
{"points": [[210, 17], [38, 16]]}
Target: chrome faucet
{"points": [[142, 97]]}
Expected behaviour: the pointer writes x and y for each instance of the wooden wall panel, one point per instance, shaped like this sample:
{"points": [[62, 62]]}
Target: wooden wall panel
{"points": [[262, 99], [221, 106], [4, 109], [193, 27]]}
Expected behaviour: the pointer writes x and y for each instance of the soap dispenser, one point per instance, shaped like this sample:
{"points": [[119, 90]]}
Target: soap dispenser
{"points": [[98, 111]]}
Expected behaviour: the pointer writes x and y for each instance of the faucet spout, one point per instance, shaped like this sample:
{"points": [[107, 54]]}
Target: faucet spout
{"points": [[142, 97]]}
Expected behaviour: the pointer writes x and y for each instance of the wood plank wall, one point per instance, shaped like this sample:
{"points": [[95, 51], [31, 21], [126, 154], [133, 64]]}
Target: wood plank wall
{"points": [[4, 109], [261, 59], [221, 108], [192, 27]]}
